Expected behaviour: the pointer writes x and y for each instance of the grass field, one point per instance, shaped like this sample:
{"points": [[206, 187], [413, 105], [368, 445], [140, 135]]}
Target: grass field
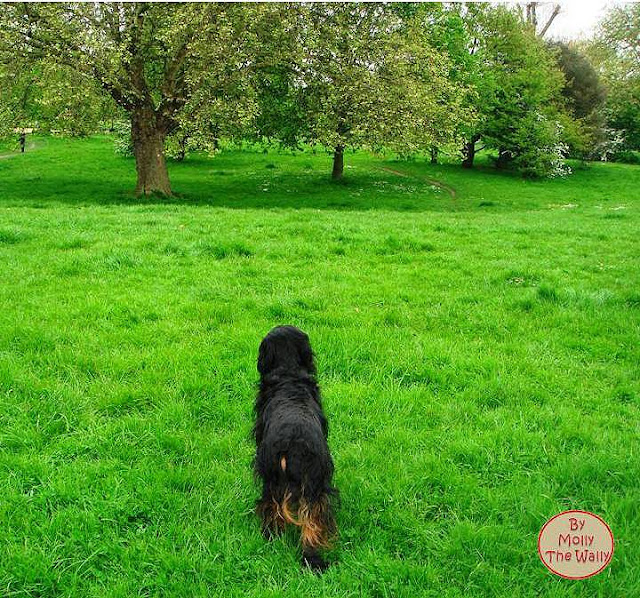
{"points": [[478, 357]]}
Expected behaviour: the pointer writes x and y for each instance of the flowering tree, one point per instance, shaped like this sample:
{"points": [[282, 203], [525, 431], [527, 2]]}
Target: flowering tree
{"points": [[148, 58], [359, 75]]}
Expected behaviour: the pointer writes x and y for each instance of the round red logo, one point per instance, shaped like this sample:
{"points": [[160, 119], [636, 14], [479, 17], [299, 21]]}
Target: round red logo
{"points": [[575, 544]]}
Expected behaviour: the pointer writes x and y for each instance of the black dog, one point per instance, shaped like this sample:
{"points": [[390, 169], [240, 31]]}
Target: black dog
{"points": [[292, 456]]}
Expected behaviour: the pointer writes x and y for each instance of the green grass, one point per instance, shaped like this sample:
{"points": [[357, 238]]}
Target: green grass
{"points": [[478, 358]]}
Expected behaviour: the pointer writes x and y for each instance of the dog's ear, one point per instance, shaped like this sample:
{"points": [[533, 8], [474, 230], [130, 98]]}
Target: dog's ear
{"points": [[306, 356], [266, 356]]}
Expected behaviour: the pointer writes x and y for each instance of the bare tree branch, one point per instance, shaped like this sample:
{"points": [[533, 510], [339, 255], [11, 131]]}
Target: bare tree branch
{"points": [[554, 14]]}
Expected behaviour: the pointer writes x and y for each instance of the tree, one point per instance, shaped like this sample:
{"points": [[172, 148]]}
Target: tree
{"points": [[585, 96], [444, 30], [17, 94], [582, 89], [359, 75], [518, 90], [45, 96], [447, 32], [616, 53], [143, 55]]}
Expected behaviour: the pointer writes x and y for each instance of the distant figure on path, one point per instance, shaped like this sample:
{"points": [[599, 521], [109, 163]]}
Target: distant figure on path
{"points": [[23, 140]]}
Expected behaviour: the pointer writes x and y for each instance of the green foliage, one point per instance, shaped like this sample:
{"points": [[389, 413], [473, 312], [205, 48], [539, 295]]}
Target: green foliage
{"points": [[160, 64], [177, 145], [404, 77], [517, 91], [583, 89], [72, 104], [585, 94], [623, 112], [122, 144], [538, 149], [627, 157], [616, 51], [362, 77], [478, 361], [49, 97], [19, 93]]}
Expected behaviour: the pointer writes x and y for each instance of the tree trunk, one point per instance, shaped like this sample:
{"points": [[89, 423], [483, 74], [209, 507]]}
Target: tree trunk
{"points": [[434, 154], [338, 163], [469, 152], [182, 144], [504, 158], [148, 136]]}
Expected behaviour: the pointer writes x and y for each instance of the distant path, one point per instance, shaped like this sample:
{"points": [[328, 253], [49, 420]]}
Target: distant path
{"points": [[450, 190], [31, 146]]}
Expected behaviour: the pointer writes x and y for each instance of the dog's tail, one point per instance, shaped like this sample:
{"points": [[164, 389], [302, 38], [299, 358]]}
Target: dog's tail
{"points": [[315, 520], [307, 496]]}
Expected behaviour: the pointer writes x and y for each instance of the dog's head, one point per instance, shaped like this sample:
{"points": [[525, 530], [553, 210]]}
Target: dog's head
{"points": [[286, 348]]}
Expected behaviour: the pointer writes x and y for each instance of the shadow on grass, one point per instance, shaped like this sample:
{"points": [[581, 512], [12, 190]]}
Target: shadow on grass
{"points": [[86, 172], [374, 191]]}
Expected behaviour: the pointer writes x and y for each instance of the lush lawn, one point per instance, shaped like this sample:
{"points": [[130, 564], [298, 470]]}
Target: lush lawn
{"points": [[478, 356]]}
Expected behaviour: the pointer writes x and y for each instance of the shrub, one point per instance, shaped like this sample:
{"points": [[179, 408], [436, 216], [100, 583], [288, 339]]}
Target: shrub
{"points": [[122, 143], [627, 157]]}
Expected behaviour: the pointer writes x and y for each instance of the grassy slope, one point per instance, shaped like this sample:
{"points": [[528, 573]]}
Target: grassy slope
{"points": [[478, 358]]}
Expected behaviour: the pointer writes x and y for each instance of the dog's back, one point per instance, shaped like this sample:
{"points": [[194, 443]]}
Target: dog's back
{"points": [[292, 455], [293, 450]]}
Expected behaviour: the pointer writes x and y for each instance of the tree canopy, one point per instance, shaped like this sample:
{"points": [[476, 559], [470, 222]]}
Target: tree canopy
{"points": [[616, 53], [585, 95], [516, 89], [360, 76], [143, 55], [412, 78]]}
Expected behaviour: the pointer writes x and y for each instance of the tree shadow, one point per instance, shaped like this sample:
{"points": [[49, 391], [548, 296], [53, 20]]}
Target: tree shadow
{"points": [[233, 179]]}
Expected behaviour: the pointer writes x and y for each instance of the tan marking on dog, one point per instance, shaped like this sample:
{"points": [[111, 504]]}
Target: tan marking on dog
{"points": [[314, 532], [285, 509], [283, 464], [309, 519]]}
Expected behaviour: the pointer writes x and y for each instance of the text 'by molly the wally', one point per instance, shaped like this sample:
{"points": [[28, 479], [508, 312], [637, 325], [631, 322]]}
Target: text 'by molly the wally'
{"points": [[575, 544], [582, 555]]}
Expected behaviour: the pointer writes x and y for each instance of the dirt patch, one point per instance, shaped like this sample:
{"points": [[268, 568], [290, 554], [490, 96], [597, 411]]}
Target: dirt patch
{"points": [[450, 190]]}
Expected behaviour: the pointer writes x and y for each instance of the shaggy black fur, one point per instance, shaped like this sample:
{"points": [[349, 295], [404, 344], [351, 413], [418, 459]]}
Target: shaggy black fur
{"points": [[292, 456]]}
